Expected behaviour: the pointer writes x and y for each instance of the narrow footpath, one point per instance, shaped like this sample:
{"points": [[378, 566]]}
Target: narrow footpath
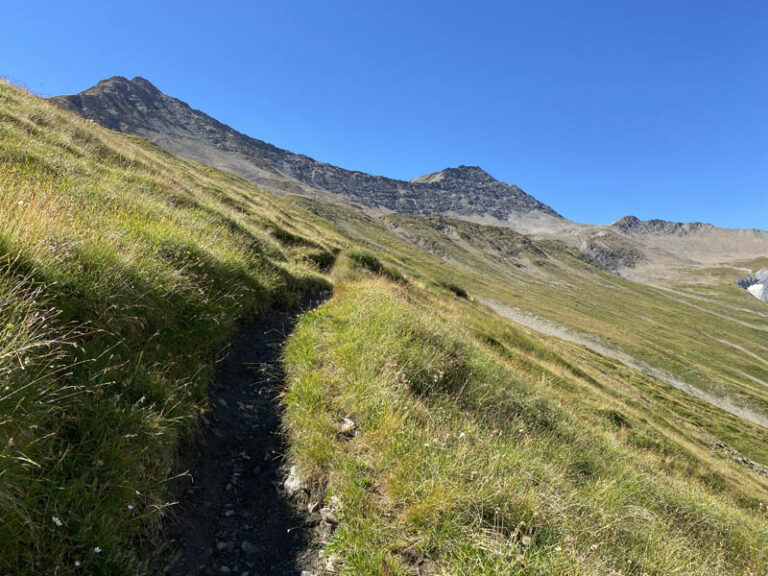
{"points": [[233, 517]]}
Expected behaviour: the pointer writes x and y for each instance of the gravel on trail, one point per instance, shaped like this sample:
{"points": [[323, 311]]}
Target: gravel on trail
{"points": [[233, 516]]}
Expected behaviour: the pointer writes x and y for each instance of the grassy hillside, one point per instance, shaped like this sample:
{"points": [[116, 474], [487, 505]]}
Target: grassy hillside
{"points": [[481, 447], [122, 272], [708, 333], [482, 450], [674, 329]]}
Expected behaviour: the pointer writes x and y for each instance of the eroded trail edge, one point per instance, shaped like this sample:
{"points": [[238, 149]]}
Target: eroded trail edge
{"points": [[233, 517]]}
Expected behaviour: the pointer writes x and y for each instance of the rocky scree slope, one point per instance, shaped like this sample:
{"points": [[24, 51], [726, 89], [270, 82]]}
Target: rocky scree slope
{"points": [[137, 107]]}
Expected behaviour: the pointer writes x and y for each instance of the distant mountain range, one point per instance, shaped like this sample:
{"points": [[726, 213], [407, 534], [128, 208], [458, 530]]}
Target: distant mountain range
{"points": [[651, 251], [633, 225]]}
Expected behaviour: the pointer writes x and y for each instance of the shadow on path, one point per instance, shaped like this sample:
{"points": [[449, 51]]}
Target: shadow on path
{"points": [[233, 518]]}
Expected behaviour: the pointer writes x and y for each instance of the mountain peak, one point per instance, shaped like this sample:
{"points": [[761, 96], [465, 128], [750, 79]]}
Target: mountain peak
{"points": [[114, 80], [144, 84], [627, 223], [135, 106], [122, 84], [465, 173]]}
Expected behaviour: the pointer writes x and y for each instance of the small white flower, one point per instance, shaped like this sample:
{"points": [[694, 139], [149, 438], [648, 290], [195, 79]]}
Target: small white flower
{"points": [[130, 506], [20, 202], [57, 521], [78, 563], [97, 550], [462, 435]]}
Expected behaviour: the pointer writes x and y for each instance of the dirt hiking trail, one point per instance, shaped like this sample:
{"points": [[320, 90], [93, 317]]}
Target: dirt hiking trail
{"points": [[233, 517]]}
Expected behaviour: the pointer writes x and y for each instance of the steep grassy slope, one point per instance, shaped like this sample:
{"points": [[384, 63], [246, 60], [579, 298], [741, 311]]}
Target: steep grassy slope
{"points": [[123, 271], [482, 450], [673, 329], [708, 333]]}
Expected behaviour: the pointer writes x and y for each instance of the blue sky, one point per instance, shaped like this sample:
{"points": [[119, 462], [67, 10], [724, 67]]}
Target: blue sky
{"points": [[657, 108]]}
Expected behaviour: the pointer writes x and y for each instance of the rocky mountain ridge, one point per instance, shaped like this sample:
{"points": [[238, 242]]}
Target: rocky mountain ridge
{"points": [[137, 107], [633, 225]]}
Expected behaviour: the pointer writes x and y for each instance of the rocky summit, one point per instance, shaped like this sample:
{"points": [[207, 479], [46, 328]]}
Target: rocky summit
{"points": [[137, 107]]}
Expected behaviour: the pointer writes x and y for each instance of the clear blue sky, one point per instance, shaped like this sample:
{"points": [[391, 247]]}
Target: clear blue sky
{"points": [[657, 108]]}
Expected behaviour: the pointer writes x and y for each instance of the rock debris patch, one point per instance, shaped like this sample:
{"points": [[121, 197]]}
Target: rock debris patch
{"points": [[234, 516], [739, 457]]}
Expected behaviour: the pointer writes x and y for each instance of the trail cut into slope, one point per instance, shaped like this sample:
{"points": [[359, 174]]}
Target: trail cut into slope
{"points": [[233, 517]]}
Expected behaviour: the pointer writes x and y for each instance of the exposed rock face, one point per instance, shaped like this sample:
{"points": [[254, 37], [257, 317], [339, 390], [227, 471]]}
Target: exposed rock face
{"points": [[757, 285], [759, 291], [611, 252], [137, 107], [643, 250], [497, 197], [633, 225]]}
